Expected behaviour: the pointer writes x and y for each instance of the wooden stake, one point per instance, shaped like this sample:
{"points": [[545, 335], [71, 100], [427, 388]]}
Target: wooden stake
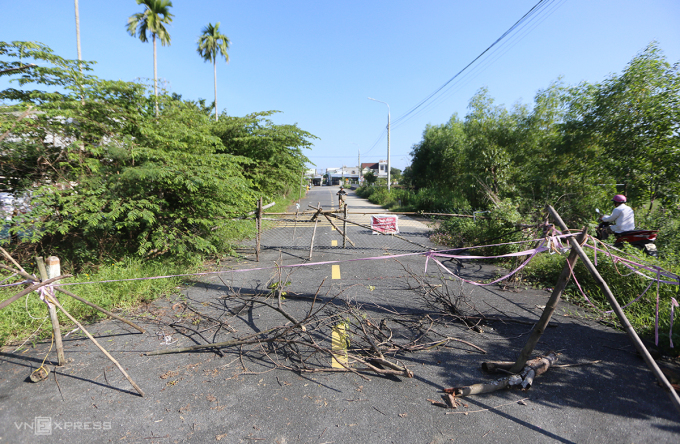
{"points": [[344, 227], [106, 312], [675, 399], [316, 222], [259, 229], [342, 233], [542, 324], [56, 330]]}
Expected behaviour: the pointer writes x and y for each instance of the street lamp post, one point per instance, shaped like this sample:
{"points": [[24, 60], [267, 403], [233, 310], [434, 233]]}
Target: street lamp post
{"points": [[388, 141]]}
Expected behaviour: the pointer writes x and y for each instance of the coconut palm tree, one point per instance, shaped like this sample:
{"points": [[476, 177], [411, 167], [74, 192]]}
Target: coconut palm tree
{"points": [[152, 21], [211, 44]]}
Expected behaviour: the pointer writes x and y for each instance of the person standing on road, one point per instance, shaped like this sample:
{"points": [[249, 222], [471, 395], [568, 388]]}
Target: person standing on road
{"points": [[341, 196]]}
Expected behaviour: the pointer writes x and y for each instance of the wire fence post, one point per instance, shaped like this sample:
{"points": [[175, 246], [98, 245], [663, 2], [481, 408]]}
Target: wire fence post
{"points": [[316, 222], [259, 229], [302, 178], [344, 226], [45, 274]]}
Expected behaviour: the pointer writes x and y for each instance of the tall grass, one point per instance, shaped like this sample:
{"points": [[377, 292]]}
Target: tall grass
{"points": [[426, 199], [29, 315]]}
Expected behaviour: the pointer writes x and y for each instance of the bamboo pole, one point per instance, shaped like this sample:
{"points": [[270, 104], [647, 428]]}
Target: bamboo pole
{"points": [[317, 212], [344, 227], [259, 229], [78, 298], [16, 264], [316, 222], [675, 399], [549, 309], [96, 307], [68, 315], [344, 236], [56, 329]]}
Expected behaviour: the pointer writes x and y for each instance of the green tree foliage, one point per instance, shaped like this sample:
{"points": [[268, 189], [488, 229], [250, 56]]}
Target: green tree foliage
{"points": [[275, 151], [569, 149], [489, 133], [437, 159], [107, 178], [370, 177], [152, 20], [395, 174], [211, 44], [634, 117]]}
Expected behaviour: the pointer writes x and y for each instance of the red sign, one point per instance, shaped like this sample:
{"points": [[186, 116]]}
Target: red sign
{"points": [[385, 224]]}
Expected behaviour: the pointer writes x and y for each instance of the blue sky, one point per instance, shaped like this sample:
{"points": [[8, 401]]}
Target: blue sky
{"points": [[318, 61]]}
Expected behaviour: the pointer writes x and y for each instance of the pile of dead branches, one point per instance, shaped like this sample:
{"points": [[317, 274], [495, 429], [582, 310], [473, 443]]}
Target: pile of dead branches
{"points": [[307, 333]]}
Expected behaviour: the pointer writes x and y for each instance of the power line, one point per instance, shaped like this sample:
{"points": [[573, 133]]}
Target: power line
{"points": [[522, 31], [494, 55], [534, 11], [526, 23]]}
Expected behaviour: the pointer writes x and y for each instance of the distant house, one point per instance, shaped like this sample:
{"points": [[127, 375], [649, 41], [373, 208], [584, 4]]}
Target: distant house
{"points": [[314, 176], [336, 175], [379, 168]]}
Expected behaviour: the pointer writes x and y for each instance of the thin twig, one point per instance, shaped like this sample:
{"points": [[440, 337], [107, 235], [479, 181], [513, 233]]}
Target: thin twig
{"points": [[485, 410]]}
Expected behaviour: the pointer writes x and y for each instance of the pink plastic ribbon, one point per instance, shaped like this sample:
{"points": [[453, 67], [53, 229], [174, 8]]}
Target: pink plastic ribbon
{"points": [[533, 253], [656, 316]]}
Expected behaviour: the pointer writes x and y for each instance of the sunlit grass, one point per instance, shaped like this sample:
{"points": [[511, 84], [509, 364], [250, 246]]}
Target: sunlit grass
{"points": [[25, 316]]}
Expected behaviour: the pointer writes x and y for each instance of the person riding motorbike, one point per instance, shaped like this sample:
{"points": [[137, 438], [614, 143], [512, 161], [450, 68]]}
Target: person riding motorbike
{"points": [[621, 223], [341, 196], [622, 217]]}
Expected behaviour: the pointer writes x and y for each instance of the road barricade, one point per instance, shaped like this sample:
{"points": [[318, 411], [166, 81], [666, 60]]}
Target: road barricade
{"points": [[385, 224]]}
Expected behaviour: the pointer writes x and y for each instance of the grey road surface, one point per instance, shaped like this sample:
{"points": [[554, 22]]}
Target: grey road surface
{"points": [[243, 397]]}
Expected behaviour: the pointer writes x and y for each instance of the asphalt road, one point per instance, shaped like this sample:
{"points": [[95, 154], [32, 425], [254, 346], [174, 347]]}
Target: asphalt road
{"points": [[243, 397]]}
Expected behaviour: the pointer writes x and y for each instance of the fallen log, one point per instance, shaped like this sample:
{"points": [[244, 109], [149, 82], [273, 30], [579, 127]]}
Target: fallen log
{"points": [[524, 379]]}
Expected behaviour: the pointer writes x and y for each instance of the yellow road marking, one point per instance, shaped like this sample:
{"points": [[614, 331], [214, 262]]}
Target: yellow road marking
{"points": [[334, 243], [335, 271], [339, 346]]}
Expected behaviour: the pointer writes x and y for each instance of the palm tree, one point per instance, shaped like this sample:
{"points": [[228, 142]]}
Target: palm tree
{"points": [[152, 20], [209, 45]]}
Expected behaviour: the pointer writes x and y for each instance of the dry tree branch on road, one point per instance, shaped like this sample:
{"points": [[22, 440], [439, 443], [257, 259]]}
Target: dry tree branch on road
{"points": [[309, 333]]}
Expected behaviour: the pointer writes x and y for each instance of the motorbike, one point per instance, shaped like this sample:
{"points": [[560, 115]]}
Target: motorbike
{"points": [[640, 239]]}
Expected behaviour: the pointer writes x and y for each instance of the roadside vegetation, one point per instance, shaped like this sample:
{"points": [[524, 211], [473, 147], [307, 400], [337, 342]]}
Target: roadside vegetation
{"points": [[574, 149], [104, 182]]}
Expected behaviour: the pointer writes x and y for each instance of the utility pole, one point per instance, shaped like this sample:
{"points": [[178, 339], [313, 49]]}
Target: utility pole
{"points": [[389, 172], [78, 33], [360, 175], [388, 141]]}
